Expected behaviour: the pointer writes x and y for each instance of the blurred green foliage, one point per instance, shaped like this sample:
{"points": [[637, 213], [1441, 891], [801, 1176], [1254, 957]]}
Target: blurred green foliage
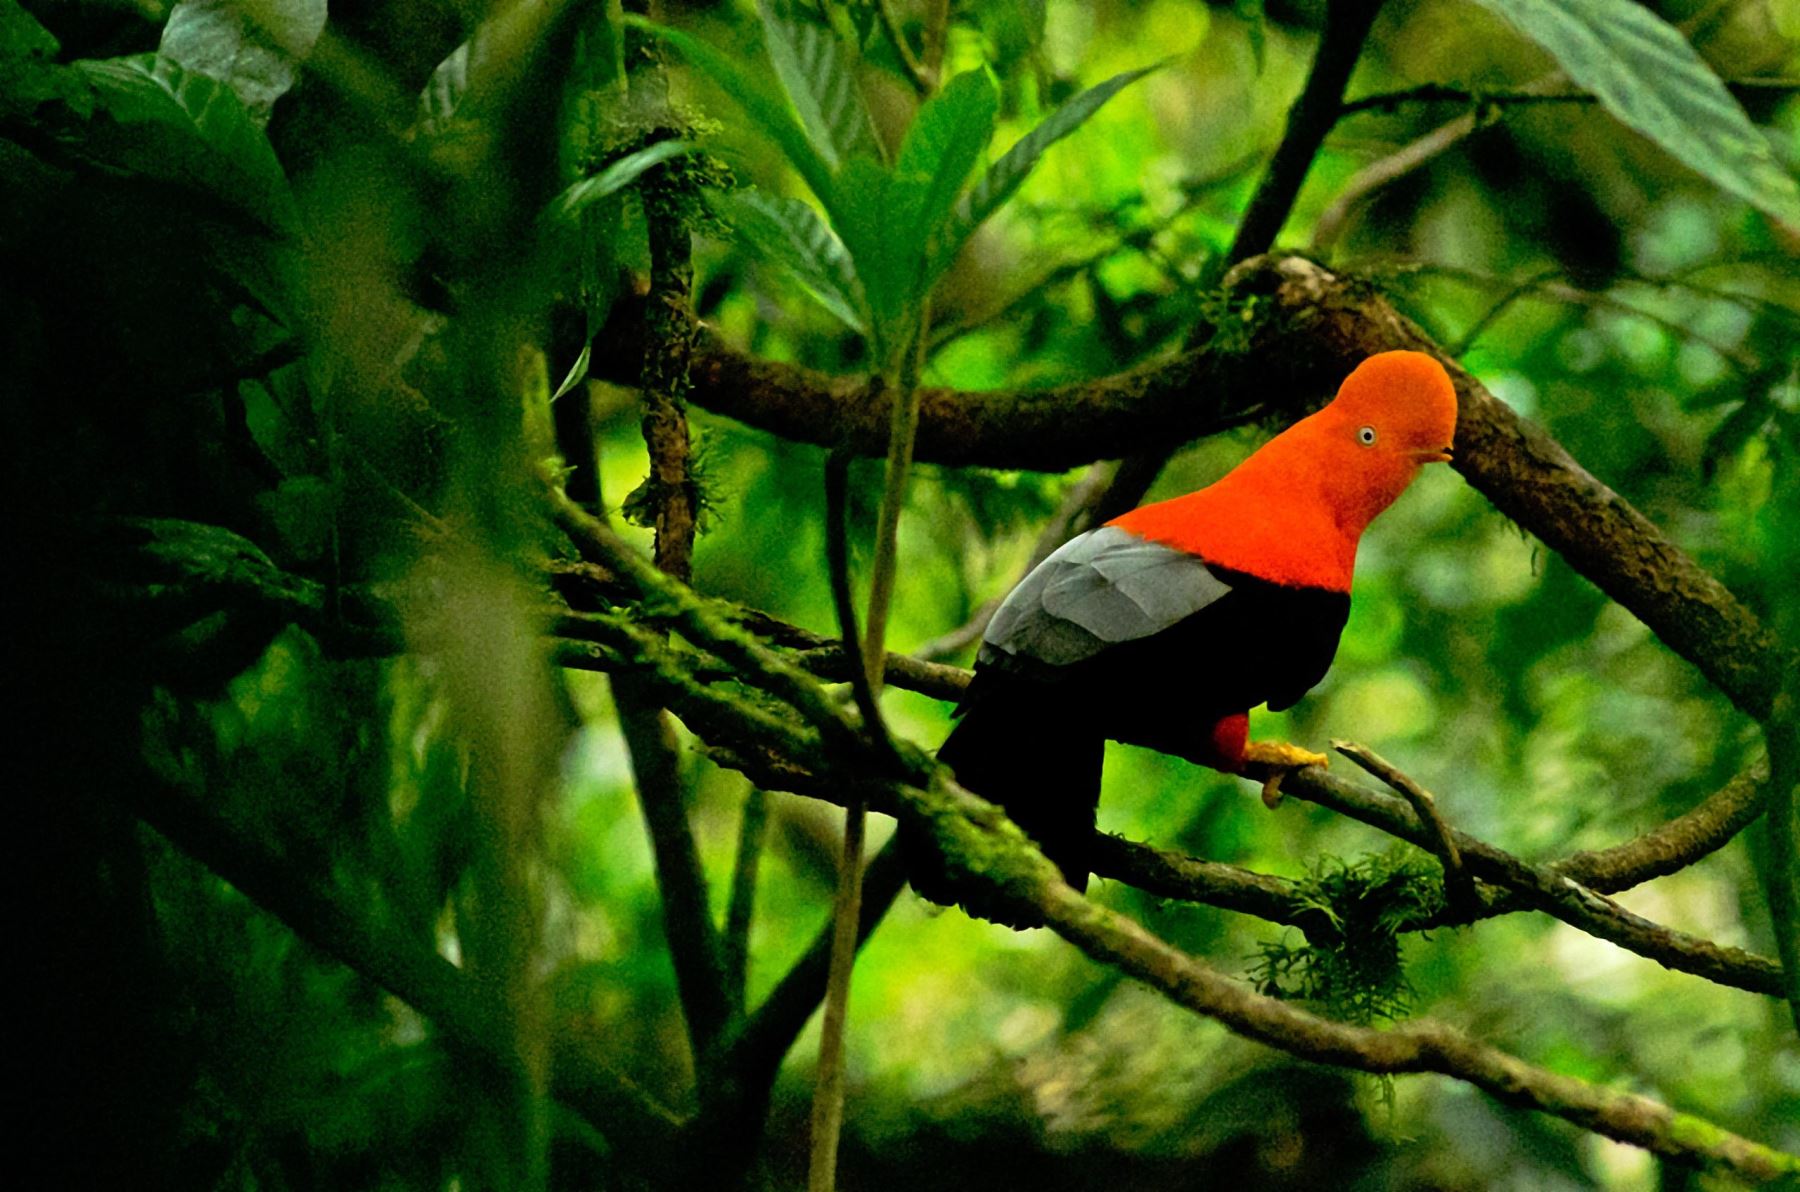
{"points": [[330, 319]]}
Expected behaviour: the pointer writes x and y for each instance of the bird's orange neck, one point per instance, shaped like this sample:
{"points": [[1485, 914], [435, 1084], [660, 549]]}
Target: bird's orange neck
{"points": [[1292, 513]]}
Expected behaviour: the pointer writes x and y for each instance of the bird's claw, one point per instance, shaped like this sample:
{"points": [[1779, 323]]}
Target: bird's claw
{"points": [[1281, 758], [1280, 753]]}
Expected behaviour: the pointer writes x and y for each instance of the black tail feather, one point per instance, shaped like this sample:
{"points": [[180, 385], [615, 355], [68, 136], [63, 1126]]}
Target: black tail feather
{"points": [[1022, 749]]}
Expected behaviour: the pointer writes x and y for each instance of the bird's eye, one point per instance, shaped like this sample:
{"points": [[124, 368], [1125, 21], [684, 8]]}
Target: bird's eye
{"points": [[1366, 436]]}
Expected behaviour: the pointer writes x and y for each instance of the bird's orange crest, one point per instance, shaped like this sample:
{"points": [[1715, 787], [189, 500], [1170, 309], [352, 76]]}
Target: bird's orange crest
{"points": [[1294, 511]]}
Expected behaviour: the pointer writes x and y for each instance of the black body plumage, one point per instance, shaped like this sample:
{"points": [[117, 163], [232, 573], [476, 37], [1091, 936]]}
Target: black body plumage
{"points": [[1117, 638]]}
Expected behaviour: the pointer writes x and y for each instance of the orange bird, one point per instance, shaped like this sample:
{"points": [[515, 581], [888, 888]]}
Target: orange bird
{"points": [[1165, 626]]}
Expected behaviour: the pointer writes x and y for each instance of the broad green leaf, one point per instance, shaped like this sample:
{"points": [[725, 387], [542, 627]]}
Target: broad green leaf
{"points": [[820, 79], [254, 46], [1005, 176], [185, 127], [1647, 75], [29, 74], [21, 36], [942, 146], [615, 177], [759, 101], [888, 264], [791, 234]]}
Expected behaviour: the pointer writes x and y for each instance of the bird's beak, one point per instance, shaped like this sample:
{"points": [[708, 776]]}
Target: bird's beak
{"points": [[1441, 455]]}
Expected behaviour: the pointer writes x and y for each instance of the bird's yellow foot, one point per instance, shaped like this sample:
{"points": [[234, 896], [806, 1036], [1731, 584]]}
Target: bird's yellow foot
{"points": [[1280, 753], [1280, 757]]}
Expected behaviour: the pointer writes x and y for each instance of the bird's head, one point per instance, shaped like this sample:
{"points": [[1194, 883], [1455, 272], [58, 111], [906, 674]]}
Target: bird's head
{"points": [[1292, 513], [1396, 405], [1392, 415]]}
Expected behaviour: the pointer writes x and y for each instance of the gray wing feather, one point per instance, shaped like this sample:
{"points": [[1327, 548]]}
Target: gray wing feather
{"points": [[1101, 588]]}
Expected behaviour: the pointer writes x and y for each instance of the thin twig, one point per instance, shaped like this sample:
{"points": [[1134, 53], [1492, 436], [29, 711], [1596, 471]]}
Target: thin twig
{"points": [[694, 946], [1781, 880], [1387, 101], [863, 686], [1479, 327], [1459, 887], [901, 379], [1194, 191], [923, 81], [735, 941], [1347, 25], [1548, 285], [937, 29], [749, 1058]]}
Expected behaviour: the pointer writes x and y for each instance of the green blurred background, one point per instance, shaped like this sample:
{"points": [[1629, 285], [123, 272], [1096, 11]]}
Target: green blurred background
{"points": [[1649, 321]]}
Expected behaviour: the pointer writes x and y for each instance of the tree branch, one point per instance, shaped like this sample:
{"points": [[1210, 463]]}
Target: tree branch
{"points": [[694, 946], [1347, 25], [1404, 161], [1551, 892], [997, 852], [1422, 1046], [1458, 886], [1307, 328], [758, 740], [1543, 888], [994, 851], [735, 942], [1475, 97]]}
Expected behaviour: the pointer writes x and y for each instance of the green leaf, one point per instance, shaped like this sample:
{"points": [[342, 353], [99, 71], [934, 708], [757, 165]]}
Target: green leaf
{"points": [[443, 91], [29, 74], [303, 509], [1005, 176], [184, 127], [888, 265], [821, 80], [254, 46], [791, 234], [761, 103], [942, 146], [615, 177], [1647, 75], [22, 37], [577, 372]]}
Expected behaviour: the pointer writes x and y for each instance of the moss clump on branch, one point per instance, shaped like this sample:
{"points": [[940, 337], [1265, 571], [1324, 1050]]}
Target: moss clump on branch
{"points": [[1350, 962]]}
